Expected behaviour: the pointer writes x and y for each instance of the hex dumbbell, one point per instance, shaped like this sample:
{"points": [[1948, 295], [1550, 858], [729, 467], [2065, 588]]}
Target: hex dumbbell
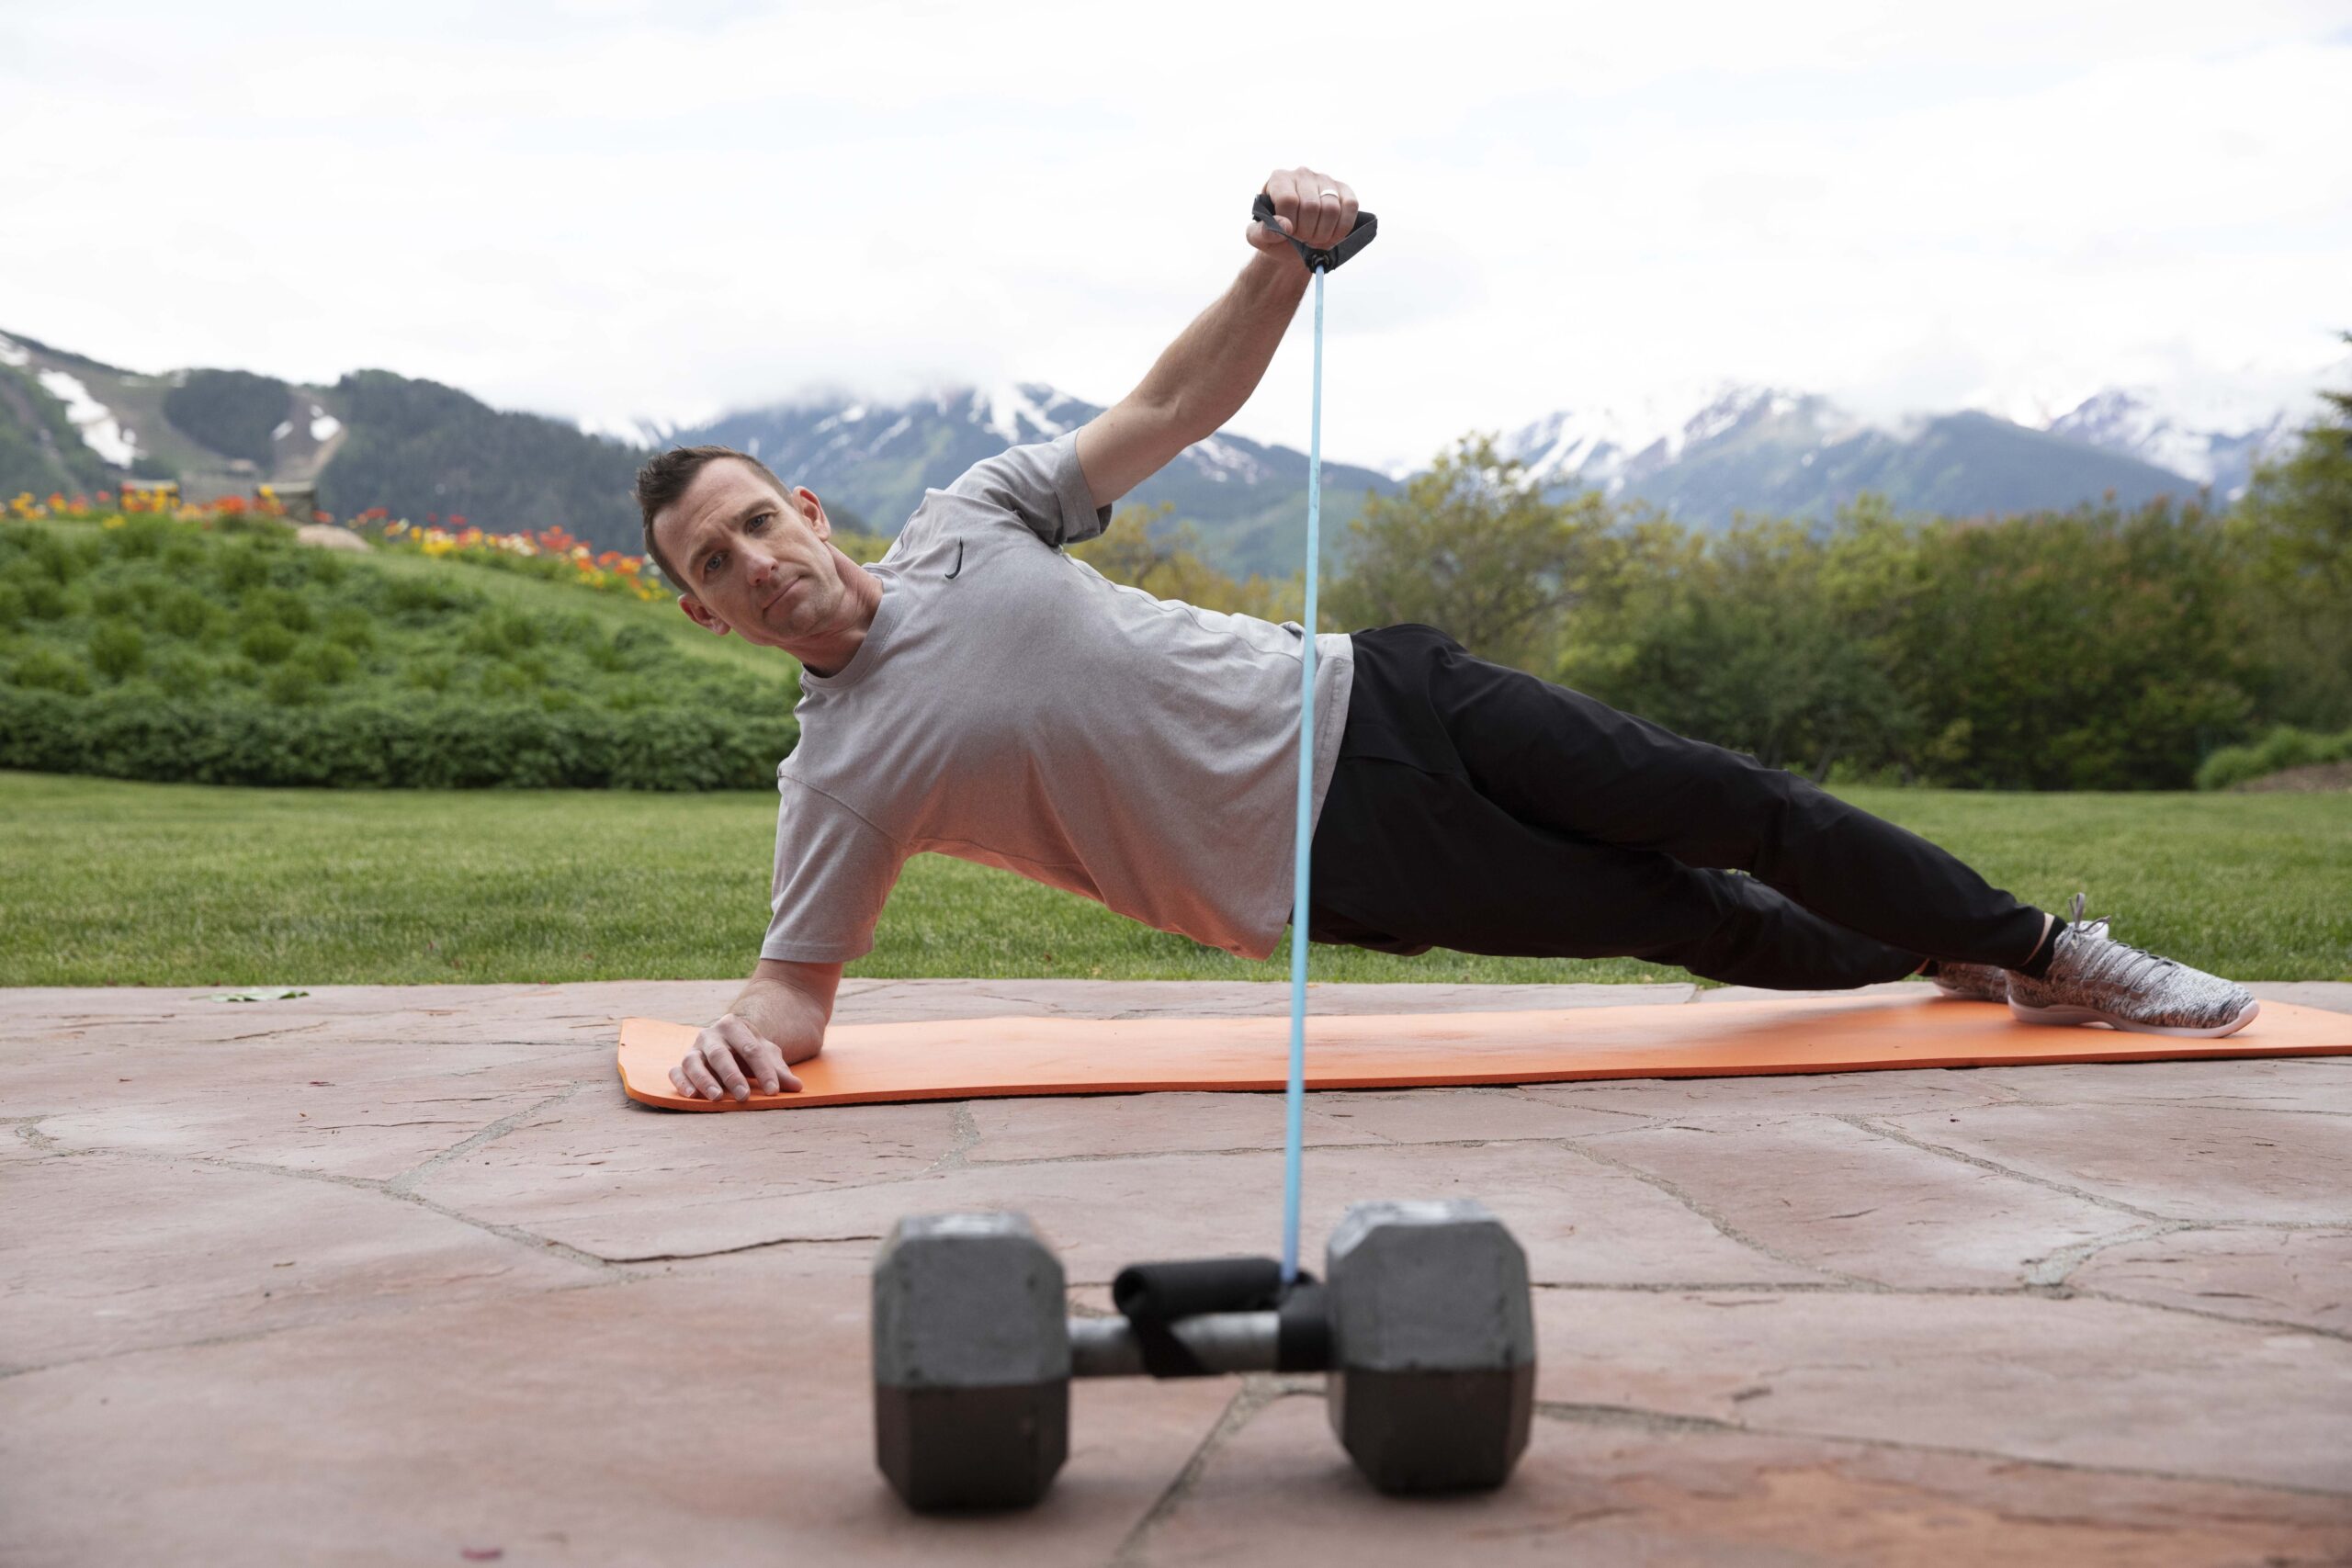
{"points": [[1423, 1324]]}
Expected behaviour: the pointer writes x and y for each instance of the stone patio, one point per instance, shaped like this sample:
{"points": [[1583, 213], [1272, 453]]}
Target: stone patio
{"points": [[397, 1275]]}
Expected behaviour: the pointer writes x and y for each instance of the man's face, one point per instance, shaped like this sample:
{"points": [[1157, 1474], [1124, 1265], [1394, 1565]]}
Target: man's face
{"points": [[755, 560]]}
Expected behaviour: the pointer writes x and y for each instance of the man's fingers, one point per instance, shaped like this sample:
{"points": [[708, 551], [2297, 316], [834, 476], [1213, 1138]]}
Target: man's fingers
{"points": [[698, 1079], [766, 1062], [1322, 211], [1283, 186], [720, 1058]]}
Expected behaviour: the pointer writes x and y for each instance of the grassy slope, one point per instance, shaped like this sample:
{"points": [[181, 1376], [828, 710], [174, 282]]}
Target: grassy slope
{"points": [[544, 600], [108, 883]]}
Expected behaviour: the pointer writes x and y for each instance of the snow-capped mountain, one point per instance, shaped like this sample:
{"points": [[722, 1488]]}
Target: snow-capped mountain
{"points": [[1709, 453], [2136, 421], [875, 461]]}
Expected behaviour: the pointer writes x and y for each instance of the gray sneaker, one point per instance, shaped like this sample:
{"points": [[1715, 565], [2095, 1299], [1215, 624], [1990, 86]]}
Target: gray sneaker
{"points": [[2094, 978], [1972, 982]]}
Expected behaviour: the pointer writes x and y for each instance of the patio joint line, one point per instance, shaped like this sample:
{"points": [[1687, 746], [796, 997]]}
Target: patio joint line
{"points": [[406, 1182], [1879, 1128], [1255, 1393], [1722, 1227]]}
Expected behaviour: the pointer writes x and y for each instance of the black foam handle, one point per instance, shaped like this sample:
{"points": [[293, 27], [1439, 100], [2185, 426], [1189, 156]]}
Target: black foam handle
{"points": [[1150, 1296], [1302, 1340], [1366, 228], [1159, 1293]]}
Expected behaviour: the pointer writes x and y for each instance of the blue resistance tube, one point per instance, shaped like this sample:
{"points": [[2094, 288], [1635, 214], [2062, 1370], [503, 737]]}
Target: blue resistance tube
{"points": [[1295, 1108]]}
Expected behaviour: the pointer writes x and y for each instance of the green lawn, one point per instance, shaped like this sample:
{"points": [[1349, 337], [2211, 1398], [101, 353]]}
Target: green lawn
{"points": [[106, 882]]}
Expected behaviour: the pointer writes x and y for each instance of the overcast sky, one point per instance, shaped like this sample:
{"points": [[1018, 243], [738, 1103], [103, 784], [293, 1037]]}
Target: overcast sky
{"points": [[624, 208]]}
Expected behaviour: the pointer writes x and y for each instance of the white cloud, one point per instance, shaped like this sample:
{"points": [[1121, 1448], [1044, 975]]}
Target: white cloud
{"points": [[642, 209]]}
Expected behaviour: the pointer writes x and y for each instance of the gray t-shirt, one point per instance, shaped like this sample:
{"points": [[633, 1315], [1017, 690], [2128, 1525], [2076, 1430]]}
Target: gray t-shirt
{"points": [[1010, 705]]}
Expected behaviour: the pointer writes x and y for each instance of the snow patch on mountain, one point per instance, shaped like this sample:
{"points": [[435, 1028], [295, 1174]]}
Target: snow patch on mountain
{"points": [[1614, 445], [1002, 411], [101, 432], [2142, 423], [14, 354], [629, 430]]}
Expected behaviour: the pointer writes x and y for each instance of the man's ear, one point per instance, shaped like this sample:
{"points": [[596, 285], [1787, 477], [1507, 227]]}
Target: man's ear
{"points": [[805, 502], [699, 614]]}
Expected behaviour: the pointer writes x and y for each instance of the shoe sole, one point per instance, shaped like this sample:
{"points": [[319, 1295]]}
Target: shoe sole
{"points": [[2024, 1014]]}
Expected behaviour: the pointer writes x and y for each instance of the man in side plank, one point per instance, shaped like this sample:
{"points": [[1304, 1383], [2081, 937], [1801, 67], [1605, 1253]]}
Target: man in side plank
{"points": [[977, 693]]}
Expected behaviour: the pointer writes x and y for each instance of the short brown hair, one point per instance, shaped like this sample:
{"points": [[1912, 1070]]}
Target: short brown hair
{"points": [[665, 477]]}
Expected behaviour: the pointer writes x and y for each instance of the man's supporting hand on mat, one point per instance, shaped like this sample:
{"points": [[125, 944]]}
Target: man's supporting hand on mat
{"points": [[779, 1020]]}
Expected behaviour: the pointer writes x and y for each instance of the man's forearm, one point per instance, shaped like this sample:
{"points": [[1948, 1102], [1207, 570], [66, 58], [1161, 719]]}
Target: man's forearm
{"points": [[1206, 375]]}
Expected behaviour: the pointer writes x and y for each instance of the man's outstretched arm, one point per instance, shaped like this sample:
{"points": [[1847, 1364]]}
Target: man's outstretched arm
{"points": [[1205, 376], [779, 1020]]}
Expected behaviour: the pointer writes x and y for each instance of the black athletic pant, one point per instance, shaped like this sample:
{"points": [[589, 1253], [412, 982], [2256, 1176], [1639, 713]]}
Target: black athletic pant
{"points": [[1479, 808]]}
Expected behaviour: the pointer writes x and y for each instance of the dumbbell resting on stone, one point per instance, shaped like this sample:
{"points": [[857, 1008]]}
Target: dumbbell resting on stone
{"points": [[1423, 1324]]}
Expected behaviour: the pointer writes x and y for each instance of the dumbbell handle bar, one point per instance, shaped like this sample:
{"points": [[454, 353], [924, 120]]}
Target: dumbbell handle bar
{"points": [[1218, 1341]]}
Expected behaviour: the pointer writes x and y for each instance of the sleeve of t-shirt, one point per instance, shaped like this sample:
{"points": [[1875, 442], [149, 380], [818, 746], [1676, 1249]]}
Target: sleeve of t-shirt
{"points": [[834, 872], [1043, 486]]}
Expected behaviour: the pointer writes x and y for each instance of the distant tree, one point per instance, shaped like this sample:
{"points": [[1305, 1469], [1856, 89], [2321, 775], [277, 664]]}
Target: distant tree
{"points": [[234, 412], [1169, 566], [421, 449], [1752, 638], [2093, 649], [2295, 524], [1473, 549]]}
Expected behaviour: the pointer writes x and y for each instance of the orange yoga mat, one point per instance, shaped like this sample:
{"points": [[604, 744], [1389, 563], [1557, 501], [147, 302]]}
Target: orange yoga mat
{"points": [[971, 1058]]}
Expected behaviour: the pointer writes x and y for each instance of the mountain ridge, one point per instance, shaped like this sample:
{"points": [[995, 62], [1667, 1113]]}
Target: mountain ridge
{"points": [[1704, 454]]}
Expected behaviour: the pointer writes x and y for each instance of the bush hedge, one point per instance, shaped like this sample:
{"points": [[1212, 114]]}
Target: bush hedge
{"points": [[163, 650], [138, 732], [2283, 747]]}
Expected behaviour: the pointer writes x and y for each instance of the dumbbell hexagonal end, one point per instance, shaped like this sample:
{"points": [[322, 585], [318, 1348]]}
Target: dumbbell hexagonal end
{"points": [[1433, 1345], [971, 1361]]}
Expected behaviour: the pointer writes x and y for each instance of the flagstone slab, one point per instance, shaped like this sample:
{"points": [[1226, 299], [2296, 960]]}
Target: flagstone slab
{"points": [[2271, 1276], [1577, 1219], [619, 1180], [104, 1255], [1854, 1202], [368, 1110], [2179, 1161], [721, 1416], [2081, 1381], [1639, 1101], [2302, 1083], [1069, 1126], [1629, 1492]]}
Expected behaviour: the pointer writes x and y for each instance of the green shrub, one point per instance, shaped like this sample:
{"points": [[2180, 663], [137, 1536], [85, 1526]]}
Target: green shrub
{"points": [[46, 670], [117, 650], [180, 672], [177, 653], [292, 684], [142, 538], [335, 664], [184, 612], [123, 732], [266, 642], [241, 567], [2282, 748], [500, 633], [283, 605], [352, 627], [423, 600]]}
